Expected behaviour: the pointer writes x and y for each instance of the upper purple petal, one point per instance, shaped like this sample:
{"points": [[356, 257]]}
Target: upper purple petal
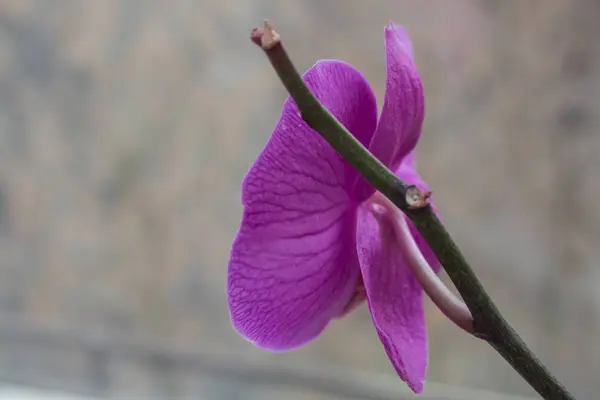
{"points": [[293, 264], [394, 296], [399, 125]]}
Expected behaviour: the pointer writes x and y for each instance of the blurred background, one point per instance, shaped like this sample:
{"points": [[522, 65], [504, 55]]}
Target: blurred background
{"points": [[126, 128]]}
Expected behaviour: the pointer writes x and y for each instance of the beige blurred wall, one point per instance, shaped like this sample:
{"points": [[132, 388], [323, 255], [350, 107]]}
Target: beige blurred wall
{"points": [[127, 126]]}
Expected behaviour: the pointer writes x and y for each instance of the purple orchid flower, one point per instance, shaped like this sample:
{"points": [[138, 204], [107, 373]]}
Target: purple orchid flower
{"points": [[316, 239]]}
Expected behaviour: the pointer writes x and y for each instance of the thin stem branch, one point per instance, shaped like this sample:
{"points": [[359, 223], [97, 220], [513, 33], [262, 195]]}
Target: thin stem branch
{"points": [[450, 305], [488, 322]]}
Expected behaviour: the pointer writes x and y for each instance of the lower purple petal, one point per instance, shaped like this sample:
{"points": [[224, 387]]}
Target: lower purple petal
{"points": [[285, 287], [394, 297]]}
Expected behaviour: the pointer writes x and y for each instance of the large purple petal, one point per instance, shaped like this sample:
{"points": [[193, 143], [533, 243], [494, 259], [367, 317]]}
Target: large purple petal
{"points": [[407, 171], [394, 296], [399, 125], [293, 263]]}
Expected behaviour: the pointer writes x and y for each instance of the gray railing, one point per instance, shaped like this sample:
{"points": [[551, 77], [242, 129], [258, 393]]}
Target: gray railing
{"points": [[31, 355]]}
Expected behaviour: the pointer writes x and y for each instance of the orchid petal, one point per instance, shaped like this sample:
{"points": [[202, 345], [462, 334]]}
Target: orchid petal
{"points": [[394, 296], [293, 264], [401, 119]]}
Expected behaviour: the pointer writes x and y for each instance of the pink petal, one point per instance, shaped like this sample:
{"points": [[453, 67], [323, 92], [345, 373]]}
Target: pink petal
{"points": [[293, 263], [399, 125], [394, 297], [407, 171]]}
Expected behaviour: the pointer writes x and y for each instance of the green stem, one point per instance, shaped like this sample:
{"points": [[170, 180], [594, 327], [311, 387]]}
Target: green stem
{"points": [[488, 322]]}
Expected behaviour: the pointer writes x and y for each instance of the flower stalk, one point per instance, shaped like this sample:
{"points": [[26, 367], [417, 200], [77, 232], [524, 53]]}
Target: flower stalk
{"points": [[488, 323], [452, 307]]}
